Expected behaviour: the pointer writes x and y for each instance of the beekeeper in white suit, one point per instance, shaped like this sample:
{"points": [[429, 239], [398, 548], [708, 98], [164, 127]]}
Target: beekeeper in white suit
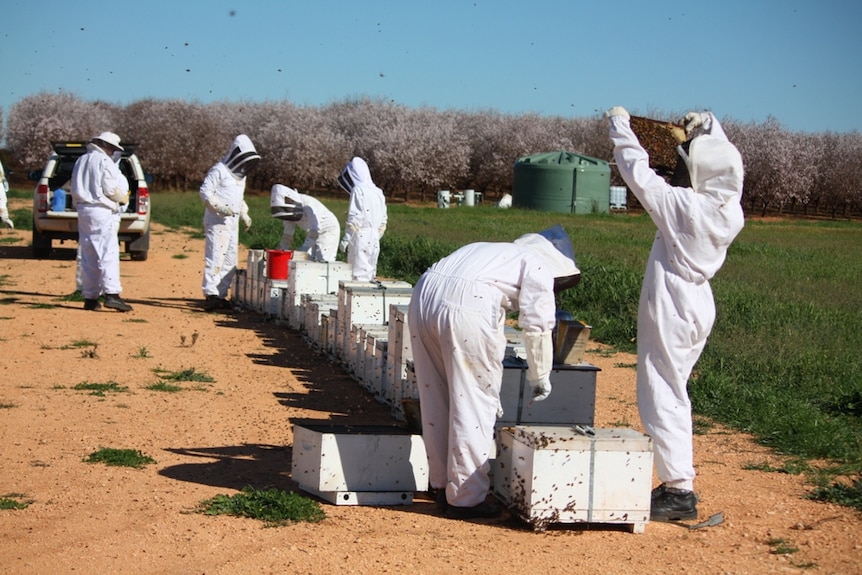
{"points": [[366, 219], [223, 195], [457, 314], [4, 191], [322, 229], [696, 224], [100, 193]]}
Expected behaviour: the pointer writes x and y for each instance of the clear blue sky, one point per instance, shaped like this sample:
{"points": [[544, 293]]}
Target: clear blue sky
{"points": [[798, 61]]}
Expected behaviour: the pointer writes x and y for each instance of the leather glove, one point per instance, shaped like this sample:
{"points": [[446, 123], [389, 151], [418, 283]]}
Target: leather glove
{"points": [[541, 389], [617, 111], [343, 245], [692, 121]]}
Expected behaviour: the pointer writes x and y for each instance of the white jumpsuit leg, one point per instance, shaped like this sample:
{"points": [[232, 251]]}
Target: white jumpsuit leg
{"points": [[675, 318], [220, 254], [458, 346], [362, 254], [100, 251]]}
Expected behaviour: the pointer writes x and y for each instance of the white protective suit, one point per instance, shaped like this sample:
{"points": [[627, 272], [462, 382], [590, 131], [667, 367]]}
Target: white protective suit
{"points": [[676, 313], [223, 192], [366, 219], [322, 230], [4, 190], [457, 316], [100, 194]]}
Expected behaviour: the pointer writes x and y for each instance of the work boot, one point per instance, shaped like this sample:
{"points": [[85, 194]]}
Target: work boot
{"points": [[212, 303], [92, 304], [438, 495], [113, 301], [484, 510], [672, 504]]}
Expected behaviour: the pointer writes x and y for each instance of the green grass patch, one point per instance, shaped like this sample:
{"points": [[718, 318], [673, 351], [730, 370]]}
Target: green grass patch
{"points": [[8, 300], [120, 458], [10, 240], [14, 501], [42, 306], [100, 389], [4, 405], [190, 374], [180, 256], [272, 506], [164, 386], [142, 353]]}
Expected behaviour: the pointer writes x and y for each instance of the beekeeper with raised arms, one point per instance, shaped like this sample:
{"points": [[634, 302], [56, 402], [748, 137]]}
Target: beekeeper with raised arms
{"points": [[366, 219], [457, 320], [696, 225], [322, 229], [223, 195]]}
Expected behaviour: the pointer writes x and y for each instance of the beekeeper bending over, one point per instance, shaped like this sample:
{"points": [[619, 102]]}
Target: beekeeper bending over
{"points": [[366, 219], [223, 194], [457, 314], [322, 229], [696, 225]]}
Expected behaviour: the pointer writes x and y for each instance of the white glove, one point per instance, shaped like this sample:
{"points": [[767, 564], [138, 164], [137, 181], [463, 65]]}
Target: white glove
{"points": [[617, 111], [243, 215], [539, 349], [119, 196], [221, 209], [541, 389], [692, 121], [343, 245]]}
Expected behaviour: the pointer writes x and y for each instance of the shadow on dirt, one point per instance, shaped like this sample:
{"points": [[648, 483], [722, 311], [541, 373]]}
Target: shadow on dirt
{"points": [[330, 394], [235, 466]]}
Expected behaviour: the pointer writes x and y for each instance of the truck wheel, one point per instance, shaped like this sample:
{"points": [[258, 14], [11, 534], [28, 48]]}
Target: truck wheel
{"points": [[41, 245]]}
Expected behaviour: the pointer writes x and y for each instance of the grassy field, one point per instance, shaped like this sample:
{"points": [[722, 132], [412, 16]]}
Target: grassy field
{"points": [[783, 359]]}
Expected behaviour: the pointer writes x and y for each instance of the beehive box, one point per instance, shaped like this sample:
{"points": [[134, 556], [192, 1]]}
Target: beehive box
{"points": [[313, 306], [274, 294], [556, 474], [309, 277], [358, 353], [359, 465], [367, 303], [570, 341], [572, 400], [398, 351], [370, 362], [240, 280]]}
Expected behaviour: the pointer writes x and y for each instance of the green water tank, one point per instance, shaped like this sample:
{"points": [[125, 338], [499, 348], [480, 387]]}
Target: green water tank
{"points": [[562, 182]]}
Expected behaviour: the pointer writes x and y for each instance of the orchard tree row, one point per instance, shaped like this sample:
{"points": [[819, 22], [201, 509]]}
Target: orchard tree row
{"points": [[415, 152]]}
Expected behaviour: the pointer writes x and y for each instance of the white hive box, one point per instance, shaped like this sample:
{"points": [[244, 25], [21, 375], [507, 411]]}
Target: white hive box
{"points": [[381, 354], [367, 303], [368, 369], [313, 306], [356, 356], [309, 277], [399, 350], [256, 264], [274, 294], [572, 400], [556, 474], [359, 465], [240, 281]]}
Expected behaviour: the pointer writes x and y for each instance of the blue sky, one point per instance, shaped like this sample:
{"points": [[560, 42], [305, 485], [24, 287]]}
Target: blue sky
{"points": [[795, 60]]}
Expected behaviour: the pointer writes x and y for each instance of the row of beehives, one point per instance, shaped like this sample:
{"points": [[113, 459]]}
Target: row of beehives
{"points": [[352, 322], [364, 326]]}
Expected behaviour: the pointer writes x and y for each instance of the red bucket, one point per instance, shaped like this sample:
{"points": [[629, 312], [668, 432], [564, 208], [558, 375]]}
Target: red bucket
{"points": [[276, 264]]}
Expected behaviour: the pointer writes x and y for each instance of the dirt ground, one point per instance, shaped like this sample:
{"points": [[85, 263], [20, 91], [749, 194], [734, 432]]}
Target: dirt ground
{"points": [[215, 438]]}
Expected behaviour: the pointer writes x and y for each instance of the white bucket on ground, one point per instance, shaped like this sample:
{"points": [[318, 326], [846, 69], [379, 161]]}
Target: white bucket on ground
{"points": [[469, 197]]}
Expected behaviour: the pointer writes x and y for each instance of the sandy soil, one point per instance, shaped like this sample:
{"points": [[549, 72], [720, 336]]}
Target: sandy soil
{"points": [[218, 437]]}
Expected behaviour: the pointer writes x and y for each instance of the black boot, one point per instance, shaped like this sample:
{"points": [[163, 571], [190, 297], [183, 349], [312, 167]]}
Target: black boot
{"points": [[672, 504], [92, 304], [113, 301], [212, 303]]}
